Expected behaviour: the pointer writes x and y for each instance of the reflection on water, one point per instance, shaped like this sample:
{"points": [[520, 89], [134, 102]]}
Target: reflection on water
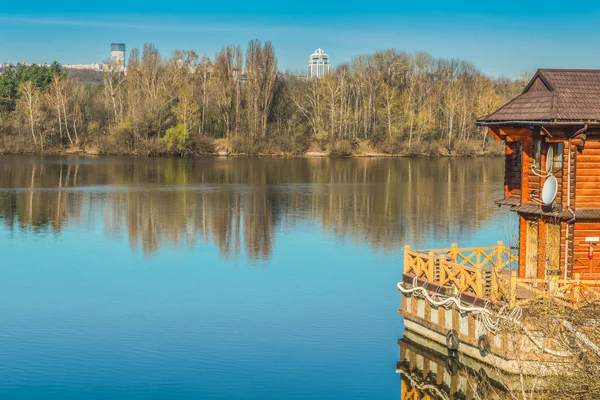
{"points": [[185, 315], [239, 203], [430, 373]]}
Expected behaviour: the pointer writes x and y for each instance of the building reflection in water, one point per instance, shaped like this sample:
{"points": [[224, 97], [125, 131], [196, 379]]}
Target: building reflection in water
{"points": [[428, 372], [238, 203]]}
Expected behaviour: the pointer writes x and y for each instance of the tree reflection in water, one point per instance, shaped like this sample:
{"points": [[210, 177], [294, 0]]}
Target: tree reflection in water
{"points": [[238, 203]]}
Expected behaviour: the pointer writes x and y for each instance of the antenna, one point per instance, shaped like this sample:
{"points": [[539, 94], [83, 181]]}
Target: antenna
{"points": [[549, 190]]}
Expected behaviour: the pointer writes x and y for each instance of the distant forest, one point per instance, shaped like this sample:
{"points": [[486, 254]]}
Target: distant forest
{"points": [[388, 102]]}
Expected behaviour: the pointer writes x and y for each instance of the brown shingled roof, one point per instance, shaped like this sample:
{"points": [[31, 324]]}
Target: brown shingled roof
{"points": [[554, 95]]}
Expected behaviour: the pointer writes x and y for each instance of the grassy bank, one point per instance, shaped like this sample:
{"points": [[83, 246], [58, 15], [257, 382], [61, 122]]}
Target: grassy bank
{"points": [[222, 147]]}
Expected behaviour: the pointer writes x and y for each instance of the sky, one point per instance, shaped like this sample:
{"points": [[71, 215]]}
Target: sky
{"points": [[506, 38]]}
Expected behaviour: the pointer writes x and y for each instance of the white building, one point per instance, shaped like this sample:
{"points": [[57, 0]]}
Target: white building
{"points": [[91, 67], [117, 55], [318, 64]]}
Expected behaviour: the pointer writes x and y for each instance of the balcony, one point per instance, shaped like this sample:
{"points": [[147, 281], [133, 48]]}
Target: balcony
{"points": [[490, 274]]}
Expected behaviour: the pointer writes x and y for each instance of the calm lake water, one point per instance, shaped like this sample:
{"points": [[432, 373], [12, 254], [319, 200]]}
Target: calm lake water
{"points": [[221, 278]]}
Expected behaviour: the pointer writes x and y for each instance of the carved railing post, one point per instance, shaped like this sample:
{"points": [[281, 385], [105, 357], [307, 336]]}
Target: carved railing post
{"points": [[455, 253], [478, 281], [499, 253], [430, 267], [512, 290], [494, 285], [407, 266], [442, 271]]}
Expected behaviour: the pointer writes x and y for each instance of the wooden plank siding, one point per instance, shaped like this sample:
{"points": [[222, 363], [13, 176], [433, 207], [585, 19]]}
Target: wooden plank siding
{"points": [[588, 174], [581, 263], [549, 250], [551, 231], [512, 172], [526, 165]]}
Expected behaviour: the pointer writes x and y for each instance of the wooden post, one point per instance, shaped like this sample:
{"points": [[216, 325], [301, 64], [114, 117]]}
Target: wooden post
{"points": [[512, 291], [478, 281], [494, 285], [553, 286], [430, 266], [406, 260], [442, 271], [576, 287], [437, 259], [455, 252], [499, 255]]}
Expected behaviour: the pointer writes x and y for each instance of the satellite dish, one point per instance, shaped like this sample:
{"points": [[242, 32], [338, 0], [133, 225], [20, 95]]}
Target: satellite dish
{"points": [[550, 160], [549, 190]]}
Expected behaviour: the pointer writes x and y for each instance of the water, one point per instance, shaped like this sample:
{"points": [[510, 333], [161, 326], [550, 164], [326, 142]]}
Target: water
{"points": [[215, 278]]}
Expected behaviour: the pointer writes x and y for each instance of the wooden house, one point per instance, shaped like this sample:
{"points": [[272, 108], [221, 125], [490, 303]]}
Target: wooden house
{"points": [[464, 298], [552, 136]]}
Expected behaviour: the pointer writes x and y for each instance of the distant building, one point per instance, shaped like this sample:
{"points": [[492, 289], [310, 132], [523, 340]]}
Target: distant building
{"points": [[117, 54], [90, 67], [318, 64]]}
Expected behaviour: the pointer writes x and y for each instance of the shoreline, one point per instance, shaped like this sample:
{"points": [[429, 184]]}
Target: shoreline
{"points": [[220, 149], [221, 154]]}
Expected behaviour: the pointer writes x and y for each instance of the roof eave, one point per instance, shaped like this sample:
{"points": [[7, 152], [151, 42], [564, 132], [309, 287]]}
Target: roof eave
{"points": [[483, 122]]}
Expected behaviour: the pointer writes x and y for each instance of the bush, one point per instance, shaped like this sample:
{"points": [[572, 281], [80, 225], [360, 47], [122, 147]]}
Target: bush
{"points": [[200, 145], [241, 145], [17, 144], [392, 146], [296, 144], [108, 145], [467, 148], [341, 148], [429, 148], [245, 145], [175, 138], [123, 134]]}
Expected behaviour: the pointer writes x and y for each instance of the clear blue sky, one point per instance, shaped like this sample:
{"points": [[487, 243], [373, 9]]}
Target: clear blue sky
{"points": [[501, 38]]}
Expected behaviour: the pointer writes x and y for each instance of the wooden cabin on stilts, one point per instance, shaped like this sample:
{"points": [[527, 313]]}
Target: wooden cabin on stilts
{"points": [[460, 297]]}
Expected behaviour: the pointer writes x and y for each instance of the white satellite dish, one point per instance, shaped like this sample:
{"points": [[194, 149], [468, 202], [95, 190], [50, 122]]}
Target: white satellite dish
{"points": [[549, 190], [550, 160]]}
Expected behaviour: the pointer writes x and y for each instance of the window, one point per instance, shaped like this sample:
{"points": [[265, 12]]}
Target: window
{"points": [[537, 153], [559, 151]]}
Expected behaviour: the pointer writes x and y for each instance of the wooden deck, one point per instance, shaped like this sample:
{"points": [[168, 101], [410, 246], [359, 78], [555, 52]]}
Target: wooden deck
{"points": [[489, 274]]}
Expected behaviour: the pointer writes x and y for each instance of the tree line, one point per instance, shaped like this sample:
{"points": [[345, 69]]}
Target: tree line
{"points": [[238, 101]]}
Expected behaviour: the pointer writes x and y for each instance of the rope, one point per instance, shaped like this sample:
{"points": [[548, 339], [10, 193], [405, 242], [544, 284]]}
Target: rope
{"points": [[488, 320], [425, 387], [492, 323]]}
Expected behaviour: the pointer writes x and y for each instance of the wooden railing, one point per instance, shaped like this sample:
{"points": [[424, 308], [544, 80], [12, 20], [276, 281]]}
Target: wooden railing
{"points": [[470, 270], [573, 292], [487, 273], [498, 256]]}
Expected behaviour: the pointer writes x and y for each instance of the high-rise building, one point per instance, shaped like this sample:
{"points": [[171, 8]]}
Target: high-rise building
{"points": [[318, 64], [117, 54]]}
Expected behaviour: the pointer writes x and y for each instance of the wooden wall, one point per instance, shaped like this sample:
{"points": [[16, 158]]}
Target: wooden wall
{"points": [[581, 263], [512, 173], [588, 174], [584, 195]]}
